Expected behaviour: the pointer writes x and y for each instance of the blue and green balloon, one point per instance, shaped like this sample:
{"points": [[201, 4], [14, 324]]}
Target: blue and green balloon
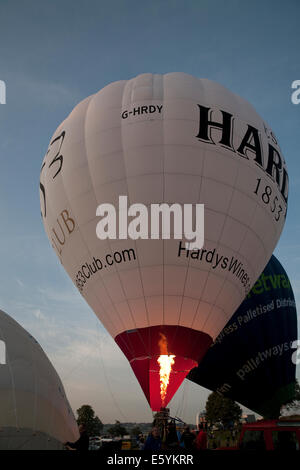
{"points": [[253, 359]]}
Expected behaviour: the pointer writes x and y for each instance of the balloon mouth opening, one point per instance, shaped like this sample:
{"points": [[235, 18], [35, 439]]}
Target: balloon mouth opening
{"points": [[161, 376], [161, 357]]}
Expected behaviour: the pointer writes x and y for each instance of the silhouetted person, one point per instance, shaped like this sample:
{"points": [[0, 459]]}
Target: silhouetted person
{"points": [[201, 439], [141, 442], [82, 443], [172, 438], [187, 438], [153, 441]]}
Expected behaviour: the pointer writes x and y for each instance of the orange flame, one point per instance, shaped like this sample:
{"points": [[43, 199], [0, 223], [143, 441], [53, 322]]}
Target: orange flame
{"points": [[165, 362]]}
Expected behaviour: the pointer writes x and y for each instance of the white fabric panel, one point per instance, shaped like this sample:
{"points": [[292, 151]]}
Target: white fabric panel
{"points": [[185, 160], [23, 439], [172, 309], [32, 398], [189, 309], [227, 165], [127, 314], [132, 283], [155, 309], [139, 309]]}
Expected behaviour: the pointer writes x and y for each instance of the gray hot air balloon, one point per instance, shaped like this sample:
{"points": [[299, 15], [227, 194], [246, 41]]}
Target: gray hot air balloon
{"points": [[34, 410]]}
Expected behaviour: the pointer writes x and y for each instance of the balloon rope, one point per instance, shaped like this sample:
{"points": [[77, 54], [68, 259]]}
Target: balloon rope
{"points": [[71, 371], [105, 375]]}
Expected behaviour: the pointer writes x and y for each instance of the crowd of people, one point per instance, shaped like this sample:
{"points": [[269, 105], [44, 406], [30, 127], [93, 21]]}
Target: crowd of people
{"points": [[170, 438]]}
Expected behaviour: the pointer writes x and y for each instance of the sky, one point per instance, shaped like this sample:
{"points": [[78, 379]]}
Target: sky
{"points": [[53, 54]]}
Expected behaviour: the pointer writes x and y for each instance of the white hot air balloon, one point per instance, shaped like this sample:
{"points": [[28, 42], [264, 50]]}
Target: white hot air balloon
{"points": [[34, 411], [171, 139]]}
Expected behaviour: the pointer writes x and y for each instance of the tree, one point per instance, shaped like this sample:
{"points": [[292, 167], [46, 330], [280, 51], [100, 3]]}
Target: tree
{"points": [[296, 393], [293, 406], [222, 410], [117, 430], [86, 416], [135, 431]]}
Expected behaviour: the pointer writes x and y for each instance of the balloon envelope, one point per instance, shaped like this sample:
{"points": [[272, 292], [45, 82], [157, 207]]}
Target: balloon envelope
{"points": [[34, 410], [167, 139], [251, 360]]}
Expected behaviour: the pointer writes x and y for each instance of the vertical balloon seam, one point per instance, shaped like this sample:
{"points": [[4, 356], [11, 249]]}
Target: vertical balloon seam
{"points": [[129, 85], [128, 344], [218, 244], [162, 127], [225, 277], [188, 261], [208, 273], [83, 118], [200, 189], [125, 178], [188, 264], [99, 276]]}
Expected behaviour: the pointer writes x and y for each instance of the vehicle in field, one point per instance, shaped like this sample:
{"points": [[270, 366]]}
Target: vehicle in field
{"points": [[281, 435]]}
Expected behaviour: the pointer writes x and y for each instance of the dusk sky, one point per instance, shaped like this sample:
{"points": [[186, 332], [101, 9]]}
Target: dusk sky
{"points": [[53, 54]]}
